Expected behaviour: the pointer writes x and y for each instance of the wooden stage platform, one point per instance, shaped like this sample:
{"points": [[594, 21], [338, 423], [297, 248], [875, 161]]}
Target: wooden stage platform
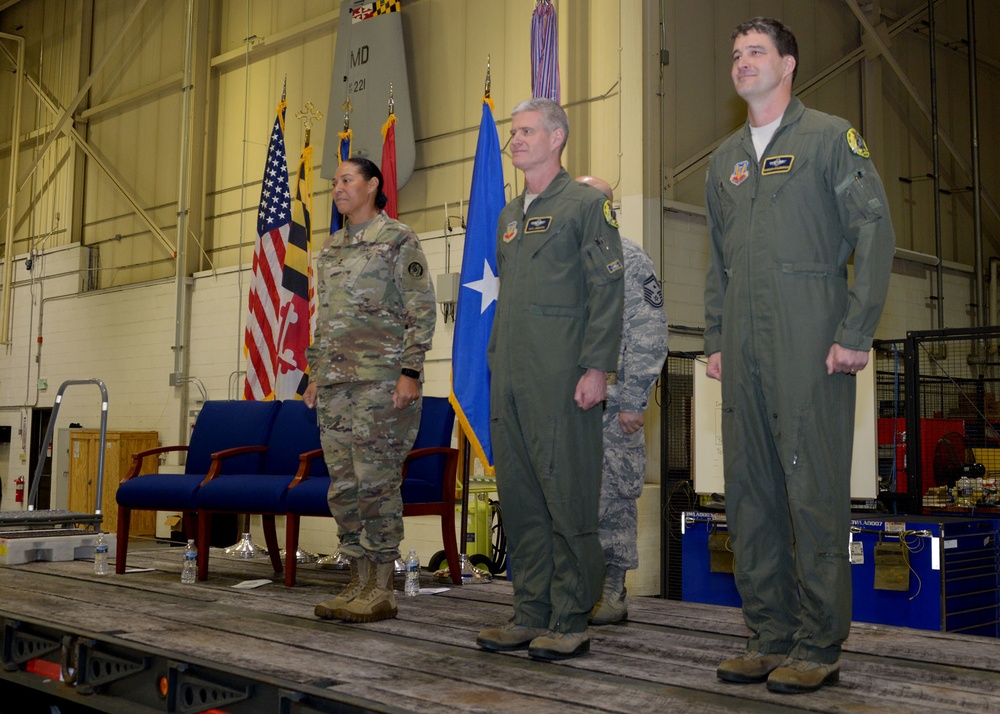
{"points": [[216, 647]]}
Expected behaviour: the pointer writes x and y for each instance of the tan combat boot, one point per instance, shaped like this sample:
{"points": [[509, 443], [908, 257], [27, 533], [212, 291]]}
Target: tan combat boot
{"points": [[377, 601], [749, 668], [359, 577], [613, 605]]}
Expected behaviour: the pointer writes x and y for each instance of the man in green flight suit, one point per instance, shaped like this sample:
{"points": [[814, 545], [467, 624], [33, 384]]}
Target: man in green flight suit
{"points": [[555, 337], [790, 197]]}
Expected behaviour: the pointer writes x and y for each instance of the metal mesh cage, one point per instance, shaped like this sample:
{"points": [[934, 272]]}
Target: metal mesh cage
{"points": [[890, 394], [953, 420], [677, 394]]}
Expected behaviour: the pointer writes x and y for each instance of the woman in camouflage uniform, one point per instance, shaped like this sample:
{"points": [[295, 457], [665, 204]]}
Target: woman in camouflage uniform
{"points": [[375, 322]]}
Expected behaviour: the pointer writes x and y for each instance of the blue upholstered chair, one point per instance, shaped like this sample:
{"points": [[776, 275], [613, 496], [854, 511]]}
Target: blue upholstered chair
{"points": [[429, 474], [262, 490], [220, 425]]}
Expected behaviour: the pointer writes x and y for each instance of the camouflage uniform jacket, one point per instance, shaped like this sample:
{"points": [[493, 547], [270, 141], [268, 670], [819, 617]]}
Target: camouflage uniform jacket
{"points": [[376, 305], [643, 345]]}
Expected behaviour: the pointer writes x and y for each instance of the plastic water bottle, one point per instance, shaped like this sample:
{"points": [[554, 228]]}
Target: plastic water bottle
{"points": [[412, 586], [466, 569], [189, 571], [100, 556]]}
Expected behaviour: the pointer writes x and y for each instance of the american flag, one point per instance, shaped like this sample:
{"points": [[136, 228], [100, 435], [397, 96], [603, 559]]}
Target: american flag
{"points": [[274, 215]]}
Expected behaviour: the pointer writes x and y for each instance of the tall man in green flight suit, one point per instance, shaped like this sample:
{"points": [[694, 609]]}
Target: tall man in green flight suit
{"points": [[555, 337], [790, 197]]}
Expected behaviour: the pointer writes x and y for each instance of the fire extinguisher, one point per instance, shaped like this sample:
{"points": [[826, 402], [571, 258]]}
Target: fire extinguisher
{"points": [[19, 489]]}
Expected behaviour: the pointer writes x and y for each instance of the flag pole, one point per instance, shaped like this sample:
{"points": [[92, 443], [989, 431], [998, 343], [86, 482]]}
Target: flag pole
{"points": [[470, 574], [476, 306], [307, 114], [465, 447]]}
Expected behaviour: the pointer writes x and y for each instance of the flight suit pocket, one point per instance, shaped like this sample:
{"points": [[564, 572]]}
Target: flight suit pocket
{"points": [[801, 430], [602, 263], [860, 199], [813, 269]]}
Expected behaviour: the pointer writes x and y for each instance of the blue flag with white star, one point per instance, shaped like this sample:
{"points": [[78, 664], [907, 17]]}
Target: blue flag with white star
{"points": [[477, 296]]}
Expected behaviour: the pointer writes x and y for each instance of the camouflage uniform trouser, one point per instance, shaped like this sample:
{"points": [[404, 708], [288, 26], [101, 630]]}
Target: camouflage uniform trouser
{"points": [[365, 440], [621, 484]]}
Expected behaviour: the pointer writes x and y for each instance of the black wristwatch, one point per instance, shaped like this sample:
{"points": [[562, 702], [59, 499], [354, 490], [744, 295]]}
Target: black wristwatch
{"points": [[412, 373]]}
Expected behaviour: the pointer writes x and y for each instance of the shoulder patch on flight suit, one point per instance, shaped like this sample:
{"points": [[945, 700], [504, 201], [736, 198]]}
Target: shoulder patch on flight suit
{"points": [[415, 269], [652, 293], [511, 233], [740, 173], [614, 266], [609, 214], [857, 144], [539, 224], [777, 165]]}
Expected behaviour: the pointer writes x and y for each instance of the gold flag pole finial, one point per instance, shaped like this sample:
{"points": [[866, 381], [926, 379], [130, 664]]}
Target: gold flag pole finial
{"points": [[346, 106], [307, 115]]}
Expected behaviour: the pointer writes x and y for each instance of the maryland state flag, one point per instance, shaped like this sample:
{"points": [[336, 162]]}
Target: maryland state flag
{"points": [[298, 293], [477, 297]]}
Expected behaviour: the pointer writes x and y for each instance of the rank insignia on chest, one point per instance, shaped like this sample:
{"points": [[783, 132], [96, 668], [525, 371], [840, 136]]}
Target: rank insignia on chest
{"points": [[740, 173], [538, 225], [511, 232], [609, 214], [857, 144]]}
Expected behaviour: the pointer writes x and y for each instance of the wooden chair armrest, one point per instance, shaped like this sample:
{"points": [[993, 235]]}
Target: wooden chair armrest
{"points": [[219, 457], [238, 451], [305, 465], [137, 459]]}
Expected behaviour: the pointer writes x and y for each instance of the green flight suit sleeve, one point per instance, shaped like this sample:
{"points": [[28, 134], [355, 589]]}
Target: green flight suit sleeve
{"points": [[716, 279], [491, 343], [867, 227], [604, 269]]}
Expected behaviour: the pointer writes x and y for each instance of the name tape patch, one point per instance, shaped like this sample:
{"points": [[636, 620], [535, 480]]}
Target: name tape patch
{"points": [[540, 224], [777, 165]]}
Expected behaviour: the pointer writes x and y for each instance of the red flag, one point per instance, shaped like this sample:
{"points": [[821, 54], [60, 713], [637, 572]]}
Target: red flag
{"points": [[274, 216], [389, 166]]}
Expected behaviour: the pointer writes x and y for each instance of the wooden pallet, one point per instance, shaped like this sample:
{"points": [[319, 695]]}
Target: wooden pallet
{"points": [[426, 660]]}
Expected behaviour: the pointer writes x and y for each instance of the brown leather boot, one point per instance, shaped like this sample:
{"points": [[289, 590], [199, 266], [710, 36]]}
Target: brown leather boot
{"points": [[327, 609], [377, 601]]}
